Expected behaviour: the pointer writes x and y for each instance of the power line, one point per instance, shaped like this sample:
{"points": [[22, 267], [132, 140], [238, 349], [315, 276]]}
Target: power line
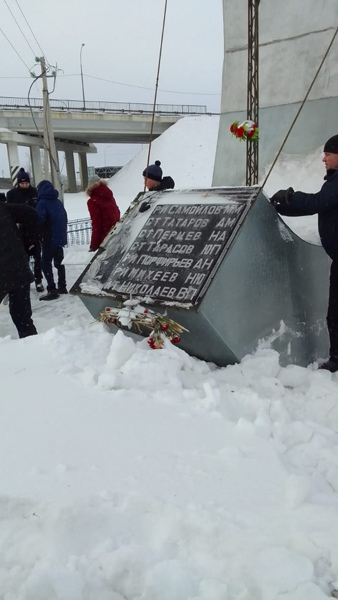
{"points": [[31, 30], [15, 50], [19, 28], [144, 88], [123, 84]]}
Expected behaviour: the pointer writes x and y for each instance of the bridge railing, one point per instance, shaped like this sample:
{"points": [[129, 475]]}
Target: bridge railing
{"points": [[79, 232], [12, 103]]}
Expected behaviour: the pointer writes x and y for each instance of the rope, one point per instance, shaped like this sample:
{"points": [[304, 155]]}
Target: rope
{"points": [[300, 108], [156, 86]]}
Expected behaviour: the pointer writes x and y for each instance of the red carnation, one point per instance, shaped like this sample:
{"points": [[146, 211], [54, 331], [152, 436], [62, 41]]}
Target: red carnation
{"points": [[239, 132], [232, 128]]}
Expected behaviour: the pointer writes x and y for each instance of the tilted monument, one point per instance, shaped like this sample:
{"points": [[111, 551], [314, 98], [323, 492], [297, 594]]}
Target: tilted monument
{"points": [[223, 264]]}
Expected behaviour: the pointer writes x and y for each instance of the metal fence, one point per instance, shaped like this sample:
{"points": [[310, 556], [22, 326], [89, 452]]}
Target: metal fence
{"points": [[13, 103], [79, 232]]}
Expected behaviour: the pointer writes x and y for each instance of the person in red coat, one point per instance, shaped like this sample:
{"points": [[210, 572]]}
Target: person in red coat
{"points": [[103, 211]]}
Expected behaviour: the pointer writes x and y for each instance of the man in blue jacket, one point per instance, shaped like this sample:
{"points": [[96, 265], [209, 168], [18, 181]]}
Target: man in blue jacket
{"points": [[53, 233], [325, 203]]}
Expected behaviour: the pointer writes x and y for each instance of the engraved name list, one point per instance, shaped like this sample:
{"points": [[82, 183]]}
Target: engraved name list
{"points": [[175, 251]]}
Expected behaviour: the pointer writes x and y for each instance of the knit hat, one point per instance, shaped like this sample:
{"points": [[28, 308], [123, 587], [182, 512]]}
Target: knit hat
{"points": [[332, 145], [154, 172], [23, 176]]}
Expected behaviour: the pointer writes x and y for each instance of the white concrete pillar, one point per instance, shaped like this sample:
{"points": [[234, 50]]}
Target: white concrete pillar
{"points": [[36, 164], [83, 169], [70, 167], [13, 160]]}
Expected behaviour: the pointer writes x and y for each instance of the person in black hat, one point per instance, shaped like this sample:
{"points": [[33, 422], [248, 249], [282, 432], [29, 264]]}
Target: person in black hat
{"points": [[154, 182], [25, 193], [153, 179], [325, 203]]}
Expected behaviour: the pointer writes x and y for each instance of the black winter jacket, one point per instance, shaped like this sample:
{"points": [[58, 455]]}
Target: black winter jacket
{"points": [[325, 203], [167, 183], [18, 195], [14, 267]]}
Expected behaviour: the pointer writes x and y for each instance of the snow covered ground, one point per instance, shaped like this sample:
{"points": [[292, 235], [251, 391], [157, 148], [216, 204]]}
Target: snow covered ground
{"points": [[133, 474]]}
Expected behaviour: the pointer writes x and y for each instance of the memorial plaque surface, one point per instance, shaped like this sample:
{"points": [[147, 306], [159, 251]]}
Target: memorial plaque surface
{"points": [[175, 252]]}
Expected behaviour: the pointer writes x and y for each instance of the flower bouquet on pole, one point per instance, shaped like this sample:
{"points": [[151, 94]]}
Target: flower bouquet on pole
{"points": [[134, 316], [247, 130]]}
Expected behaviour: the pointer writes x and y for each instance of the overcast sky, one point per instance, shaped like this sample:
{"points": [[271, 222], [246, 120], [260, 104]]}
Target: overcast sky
{"points": [[122, 41]]}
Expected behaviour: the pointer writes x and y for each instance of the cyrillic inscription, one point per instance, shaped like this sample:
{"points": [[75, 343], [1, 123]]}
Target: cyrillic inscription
{"points": [[176, 250]]}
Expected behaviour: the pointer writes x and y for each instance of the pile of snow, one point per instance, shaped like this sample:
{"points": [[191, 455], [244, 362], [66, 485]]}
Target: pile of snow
{"points": [[186, 151], [136, 474]]}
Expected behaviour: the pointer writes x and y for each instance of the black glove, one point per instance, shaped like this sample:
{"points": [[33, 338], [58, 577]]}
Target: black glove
{"points": [[282, 197], [144, 206]]}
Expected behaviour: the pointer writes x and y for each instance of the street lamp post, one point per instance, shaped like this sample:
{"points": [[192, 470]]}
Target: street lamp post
{"points": [[83, 93]]}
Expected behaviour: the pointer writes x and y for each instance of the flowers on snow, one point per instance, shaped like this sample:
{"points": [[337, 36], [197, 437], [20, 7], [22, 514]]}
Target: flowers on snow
{"points": [[132, 315]]}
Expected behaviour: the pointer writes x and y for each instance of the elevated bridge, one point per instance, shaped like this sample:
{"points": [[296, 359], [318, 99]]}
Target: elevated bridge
{"points": [[77, 127], [99, 122]]}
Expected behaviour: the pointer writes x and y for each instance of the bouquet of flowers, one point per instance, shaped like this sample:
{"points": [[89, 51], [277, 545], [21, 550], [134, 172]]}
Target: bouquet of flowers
{"points": [[134, 316], [247, 130]]}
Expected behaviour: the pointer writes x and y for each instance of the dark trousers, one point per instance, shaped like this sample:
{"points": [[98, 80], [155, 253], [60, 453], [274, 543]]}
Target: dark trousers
{"points": [[54, 254], [332, 311], [21, 311], [37, 263]]}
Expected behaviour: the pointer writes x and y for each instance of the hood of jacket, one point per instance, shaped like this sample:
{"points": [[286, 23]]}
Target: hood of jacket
{"points": [[47, 190], [101, 192]]}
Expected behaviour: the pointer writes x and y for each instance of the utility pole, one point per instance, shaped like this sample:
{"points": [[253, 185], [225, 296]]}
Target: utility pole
{"points": [[48, 136], [252, 91]]}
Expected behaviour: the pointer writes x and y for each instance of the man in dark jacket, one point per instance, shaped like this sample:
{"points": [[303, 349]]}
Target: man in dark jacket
{"points": [[325, 203], [53, 221], [25, 193], [155, 182], [15, 274], [153, 179]]}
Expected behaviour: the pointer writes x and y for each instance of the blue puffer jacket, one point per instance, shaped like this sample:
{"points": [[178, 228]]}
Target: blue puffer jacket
{"points": [[325, 203], [52, 215]]}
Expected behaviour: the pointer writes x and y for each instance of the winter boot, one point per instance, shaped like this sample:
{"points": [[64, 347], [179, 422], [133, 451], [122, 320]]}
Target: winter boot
{"points": [[52, 295], [330, 365], [62, 289], [39, 287]]}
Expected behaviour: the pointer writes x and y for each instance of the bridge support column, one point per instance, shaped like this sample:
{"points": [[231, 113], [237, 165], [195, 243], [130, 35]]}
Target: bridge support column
{"points": [[83, 169], [13, 160], [36, 164], [70, 167]]}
